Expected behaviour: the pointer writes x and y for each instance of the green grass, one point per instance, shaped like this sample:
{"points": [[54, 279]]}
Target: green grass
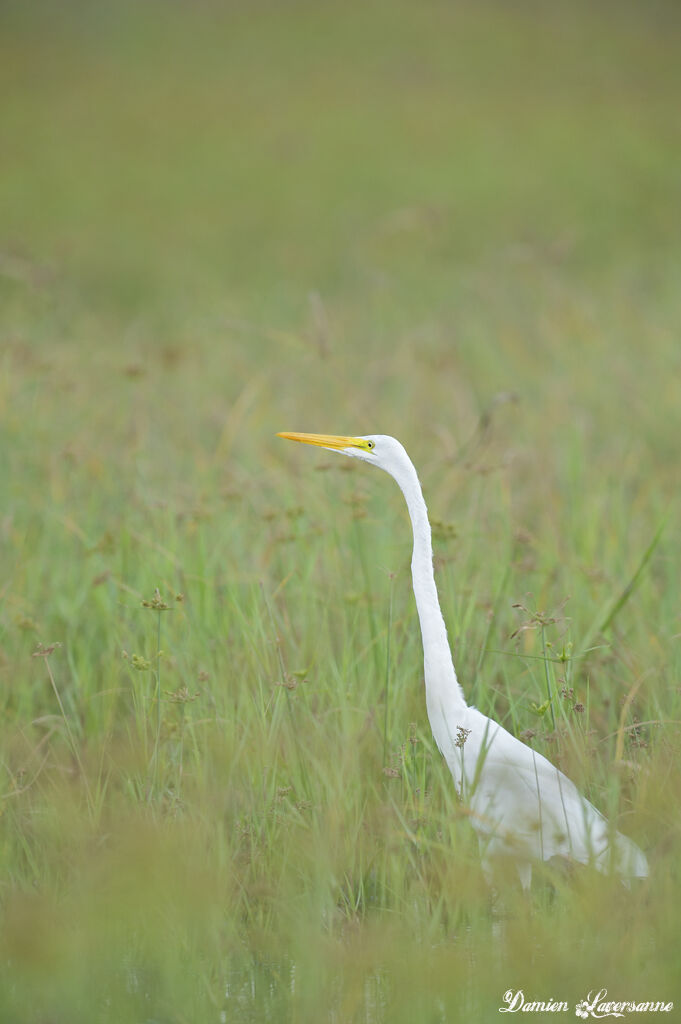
{"points": [[457, 224]]}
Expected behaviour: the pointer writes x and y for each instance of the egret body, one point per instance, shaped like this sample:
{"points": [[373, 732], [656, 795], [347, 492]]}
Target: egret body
{"points": [[521, 806]]}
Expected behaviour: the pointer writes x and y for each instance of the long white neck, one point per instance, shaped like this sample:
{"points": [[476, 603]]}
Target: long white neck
{"points": [[442, 687]]}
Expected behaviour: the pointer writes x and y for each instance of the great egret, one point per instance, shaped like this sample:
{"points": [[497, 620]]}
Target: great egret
{"points": [[522, 807]]}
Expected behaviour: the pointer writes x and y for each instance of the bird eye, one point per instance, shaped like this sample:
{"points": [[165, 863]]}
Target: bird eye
{"points": [[370, 444]]}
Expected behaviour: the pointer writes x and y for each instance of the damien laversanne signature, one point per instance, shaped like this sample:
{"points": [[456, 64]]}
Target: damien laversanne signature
{"points": [[595, 1005]]}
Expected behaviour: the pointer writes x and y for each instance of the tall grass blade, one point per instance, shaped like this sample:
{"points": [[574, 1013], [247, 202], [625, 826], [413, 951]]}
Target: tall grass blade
{"points": [[626, 593]]}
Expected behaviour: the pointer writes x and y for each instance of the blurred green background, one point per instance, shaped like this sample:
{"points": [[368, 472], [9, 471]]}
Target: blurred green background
{"points": [[457, 223]]}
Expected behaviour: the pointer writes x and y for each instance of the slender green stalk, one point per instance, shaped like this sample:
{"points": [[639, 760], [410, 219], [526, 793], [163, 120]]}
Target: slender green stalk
{"points": [[628, 590], [549, 694], [370, 606], [289, 705], [157, 741], [69, 733], [387, 670]]}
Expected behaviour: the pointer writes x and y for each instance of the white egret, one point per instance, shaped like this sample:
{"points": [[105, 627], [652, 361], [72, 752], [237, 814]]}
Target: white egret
{"points": [[522, 807]]}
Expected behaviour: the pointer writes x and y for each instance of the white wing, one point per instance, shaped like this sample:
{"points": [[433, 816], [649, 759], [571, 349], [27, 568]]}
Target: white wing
{"points": [[523, 807]]}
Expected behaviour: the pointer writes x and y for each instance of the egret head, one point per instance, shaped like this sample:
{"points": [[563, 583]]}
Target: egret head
{"points": [[377, 449]]}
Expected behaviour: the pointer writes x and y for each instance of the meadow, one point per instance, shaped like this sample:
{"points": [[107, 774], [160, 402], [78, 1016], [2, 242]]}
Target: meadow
{"points": [[453, 223]]}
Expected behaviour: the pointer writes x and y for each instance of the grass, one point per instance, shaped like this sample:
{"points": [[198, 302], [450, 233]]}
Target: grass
{"points": [[453, 224]]}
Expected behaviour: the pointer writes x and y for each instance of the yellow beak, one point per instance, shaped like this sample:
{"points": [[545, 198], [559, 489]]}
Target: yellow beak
{"points": [[335, 441]]}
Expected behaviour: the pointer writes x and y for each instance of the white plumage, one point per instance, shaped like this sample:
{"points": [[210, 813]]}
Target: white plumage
{"points": [[521, 806]]}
